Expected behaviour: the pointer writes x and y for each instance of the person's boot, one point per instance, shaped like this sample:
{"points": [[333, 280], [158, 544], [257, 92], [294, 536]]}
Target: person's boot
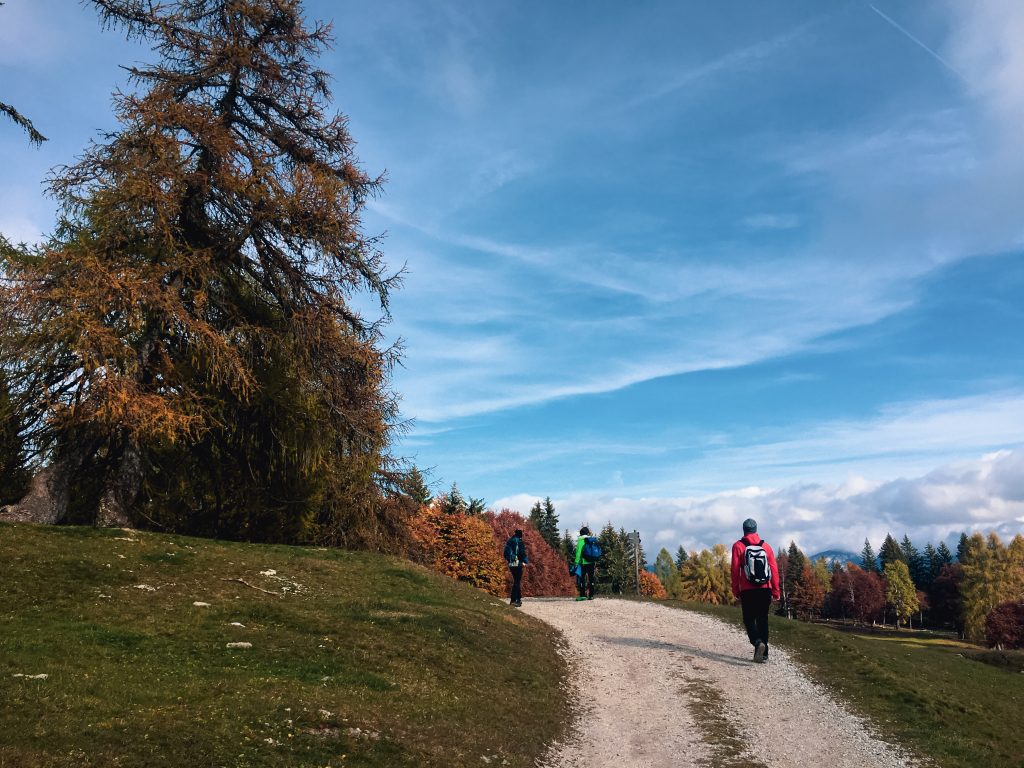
{"points": [[759, 653]]}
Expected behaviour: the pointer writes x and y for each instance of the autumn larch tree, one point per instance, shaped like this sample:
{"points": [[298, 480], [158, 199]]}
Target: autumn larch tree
{"points": [[187, 337], [808, 595]]}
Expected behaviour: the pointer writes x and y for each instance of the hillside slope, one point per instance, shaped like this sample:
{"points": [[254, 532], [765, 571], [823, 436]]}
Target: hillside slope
{"points": [[354, 659]]}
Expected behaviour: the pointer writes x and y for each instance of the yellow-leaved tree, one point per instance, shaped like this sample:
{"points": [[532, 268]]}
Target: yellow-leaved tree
{"points": [[900, 591]]}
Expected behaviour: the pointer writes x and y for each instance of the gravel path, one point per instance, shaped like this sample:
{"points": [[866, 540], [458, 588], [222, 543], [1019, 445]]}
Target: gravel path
{"points": [[666, 687]]}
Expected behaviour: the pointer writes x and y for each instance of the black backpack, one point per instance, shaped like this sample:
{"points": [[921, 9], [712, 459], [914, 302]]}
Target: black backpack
{"points": [[513, 552], [755, 564]]}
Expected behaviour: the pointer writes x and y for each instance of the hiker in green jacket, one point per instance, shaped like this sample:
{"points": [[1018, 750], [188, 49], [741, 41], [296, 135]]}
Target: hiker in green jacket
{"points": [[585, 580]]}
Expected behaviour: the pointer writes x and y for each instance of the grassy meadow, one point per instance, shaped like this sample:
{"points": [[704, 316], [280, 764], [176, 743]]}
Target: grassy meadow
{"points": [[355, 659], [944, 699]]}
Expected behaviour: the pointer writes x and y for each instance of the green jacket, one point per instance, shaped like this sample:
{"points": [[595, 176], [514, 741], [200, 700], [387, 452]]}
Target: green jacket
{"points": [[580, 559]]}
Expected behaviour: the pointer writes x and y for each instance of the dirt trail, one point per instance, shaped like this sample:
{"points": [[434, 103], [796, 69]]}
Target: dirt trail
{"points": [[666, 687]]}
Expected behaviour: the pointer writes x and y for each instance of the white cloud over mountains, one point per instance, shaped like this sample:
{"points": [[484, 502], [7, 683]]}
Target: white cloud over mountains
{"points": [[983, 494]]}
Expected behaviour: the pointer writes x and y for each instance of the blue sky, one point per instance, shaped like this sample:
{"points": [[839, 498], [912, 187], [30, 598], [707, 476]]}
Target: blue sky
{"points": [[671, 264]]}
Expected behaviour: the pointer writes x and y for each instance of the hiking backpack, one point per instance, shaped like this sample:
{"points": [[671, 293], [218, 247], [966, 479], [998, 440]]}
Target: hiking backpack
{"points": [[512, 549], [592, 549], [755, 564]]}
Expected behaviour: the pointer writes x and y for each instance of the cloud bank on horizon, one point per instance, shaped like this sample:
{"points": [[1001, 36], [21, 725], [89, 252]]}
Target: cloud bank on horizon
{"points": [[671, 264]]}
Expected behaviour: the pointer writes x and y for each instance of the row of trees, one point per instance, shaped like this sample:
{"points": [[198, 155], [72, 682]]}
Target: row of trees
{"points": [[623, 566], [979, 592], [453, 538], [923, 566], [469, 547]]}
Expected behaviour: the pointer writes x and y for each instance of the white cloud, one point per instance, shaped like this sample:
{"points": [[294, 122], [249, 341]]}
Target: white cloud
{"points": [[985, 46], [985, 493]]}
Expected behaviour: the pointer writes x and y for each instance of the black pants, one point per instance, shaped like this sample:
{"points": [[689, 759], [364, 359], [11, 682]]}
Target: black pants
{"points": [[756, 603], [517, 580], [586, 579]]}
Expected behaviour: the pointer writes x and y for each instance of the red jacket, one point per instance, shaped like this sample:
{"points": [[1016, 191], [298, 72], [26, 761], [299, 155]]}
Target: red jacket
{"points": [[739, 579]]}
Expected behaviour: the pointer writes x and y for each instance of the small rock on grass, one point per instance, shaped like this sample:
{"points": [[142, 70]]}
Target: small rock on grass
{"points": [[239, 645]]}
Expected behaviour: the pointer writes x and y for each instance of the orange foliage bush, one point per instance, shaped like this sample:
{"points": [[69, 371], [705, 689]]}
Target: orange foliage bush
{"points": [[547, 572], [651, 586], [458, 546]]}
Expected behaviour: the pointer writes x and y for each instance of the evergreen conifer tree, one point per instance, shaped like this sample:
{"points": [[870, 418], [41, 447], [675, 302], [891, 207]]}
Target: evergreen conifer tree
{"points": [[889, 553], [668, 573], [915, 563], [453, 502], [794, 568], [536, 517], [549, 523], [929, 566], [962, 547], [615, 571], [681, 556], [868, 561], [568, 547], [943, 556], [416, 487]]}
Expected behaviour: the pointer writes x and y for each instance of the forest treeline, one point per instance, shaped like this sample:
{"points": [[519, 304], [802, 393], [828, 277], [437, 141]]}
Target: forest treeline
{"points": [[464, 540], [977, 591]]}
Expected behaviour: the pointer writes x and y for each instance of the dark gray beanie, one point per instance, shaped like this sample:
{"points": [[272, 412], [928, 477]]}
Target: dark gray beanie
{"points": [[750, 525]]}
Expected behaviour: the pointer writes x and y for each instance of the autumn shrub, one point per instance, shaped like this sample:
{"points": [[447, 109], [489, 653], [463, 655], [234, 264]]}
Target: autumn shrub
{"points": [[1004, 626], [458, 545], [651, 586], [546, 573]]}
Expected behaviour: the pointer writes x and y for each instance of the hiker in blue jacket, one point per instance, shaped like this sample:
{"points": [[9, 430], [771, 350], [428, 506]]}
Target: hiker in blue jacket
{"points": [[588, 568], [515, 556]]}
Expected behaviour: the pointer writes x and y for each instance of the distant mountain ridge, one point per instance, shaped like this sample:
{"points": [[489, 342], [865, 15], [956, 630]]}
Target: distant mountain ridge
{"points": [[842, 555]]}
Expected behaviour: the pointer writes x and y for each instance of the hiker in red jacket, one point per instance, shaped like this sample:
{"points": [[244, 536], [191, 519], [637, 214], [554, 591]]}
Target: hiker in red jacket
{"points": [[755, 583]]}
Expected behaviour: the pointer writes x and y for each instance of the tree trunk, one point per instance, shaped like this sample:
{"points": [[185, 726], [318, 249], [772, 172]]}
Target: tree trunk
{"points": [[46, 502], [117, 505]]}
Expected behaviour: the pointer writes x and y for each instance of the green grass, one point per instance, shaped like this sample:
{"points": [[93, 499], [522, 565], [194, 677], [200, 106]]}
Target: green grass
{"points": [[430, 671], [922, 690]]}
